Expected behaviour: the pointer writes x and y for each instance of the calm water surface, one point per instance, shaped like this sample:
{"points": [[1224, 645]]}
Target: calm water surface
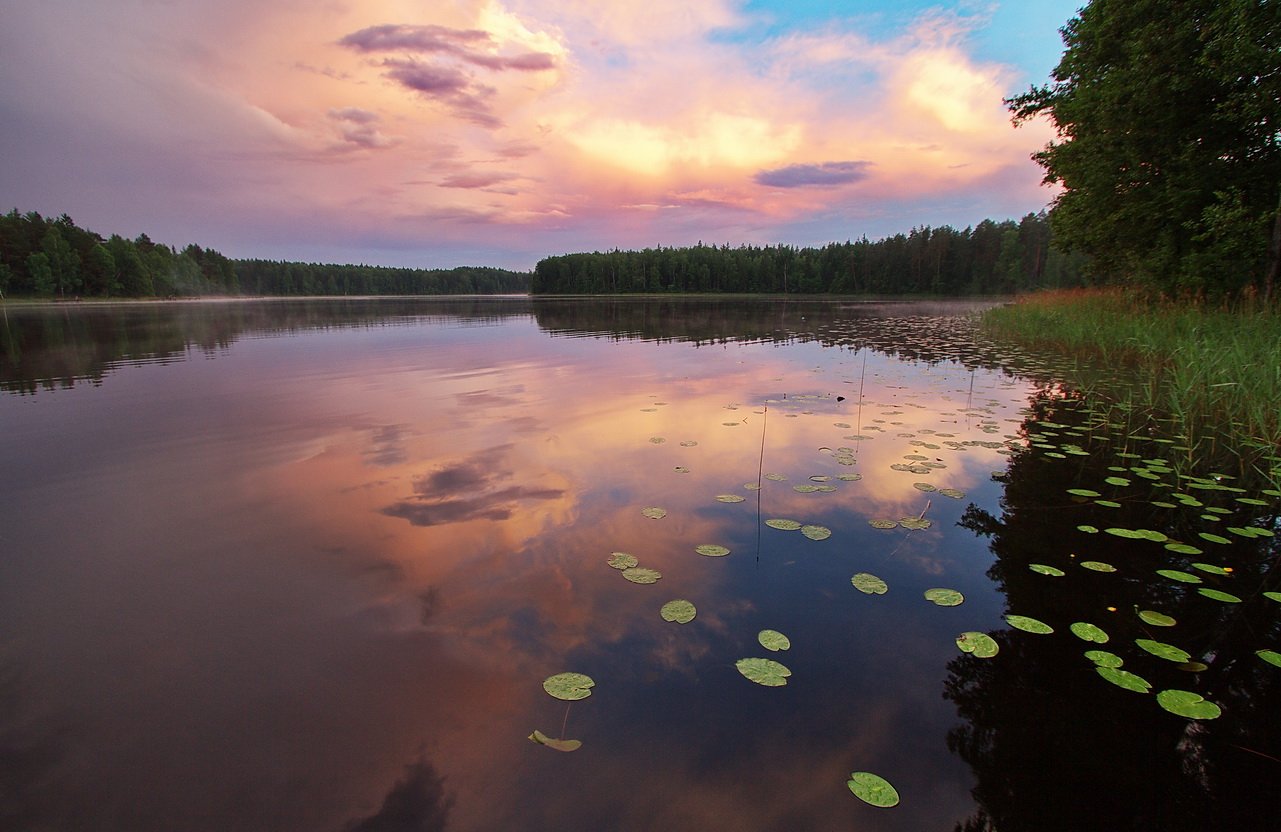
{"points": [[305, 565]]}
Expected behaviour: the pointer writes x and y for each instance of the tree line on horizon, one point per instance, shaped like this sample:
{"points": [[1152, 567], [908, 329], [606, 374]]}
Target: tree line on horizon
{"points": [[989, 258], [44, 257]]}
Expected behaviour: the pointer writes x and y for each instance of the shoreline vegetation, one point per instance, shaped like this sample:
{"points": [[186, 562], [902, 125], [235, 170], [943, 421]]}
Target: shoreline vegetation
{"points": [[1211, 373]]}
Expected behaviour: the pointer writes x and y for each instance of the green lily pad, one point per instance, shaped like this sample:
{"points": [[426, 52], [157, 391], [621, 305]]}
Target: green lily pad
{"points": [[641, 575], [765, 672], [1117, 481], [1219, 595], [816, 532], [883, 524], [622, 560], [869, 583], [1193, 667], [1179, 575], [1028, 624], [1213, 538], [1042, 569], [805, 489], [1185, 703], [1156, 619], [980, 645], [1083, 492], [1210, 568], [1183, 549], [654, 512], [944, 597], [1273, 596], [915, 523], [569, 686], [1125, 679], [1107, 503], [773, 640], [1098, 566], [679, 611], [1088, 529], [872, 789], [1103, 658], [776, 477], [1164, 651], [560, 745], [711, 550], [1088, 632], [924, 486], [785, 525], [1269, 656], [1129, 534], [657, 440], [729, 498], [954, 493]]}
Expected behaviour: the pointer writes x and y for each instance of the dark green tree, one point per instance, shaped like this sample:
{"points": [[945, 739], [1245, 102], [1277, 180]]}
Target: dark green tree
{"points": [[1168, 115]]}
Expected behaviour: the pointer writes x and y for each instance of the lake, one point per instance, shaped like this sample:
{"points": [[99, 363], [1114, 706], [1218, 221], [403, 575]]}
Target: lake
{"points": [[307, 564]]}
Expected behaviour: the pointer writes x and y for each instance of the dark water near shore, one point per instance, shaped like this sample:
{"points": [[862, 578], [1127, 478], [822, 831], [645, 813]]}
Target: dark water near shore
{"points": [[304, 565]]}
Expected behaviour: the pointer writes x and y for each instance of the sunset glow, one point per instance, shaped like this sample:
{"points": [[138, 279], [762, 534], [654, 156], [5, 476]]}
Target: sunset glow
{"points": [[496, 132]]}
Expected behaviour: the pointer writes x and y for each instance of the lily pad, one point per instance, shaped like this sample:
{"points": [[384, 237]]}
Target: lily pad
{"points": [[944, 597], [924, 486], [954, 493], [776, 477], [641, 575], [657, 440], [872, 789], [1179, 575], [915, 523], [1098, 566], [1088, 529], [1273, 596], [1219, 595], [1103, 658], [783, 524], [1185, 703], [806, 489], [622, 560], [765, 672], [980, 645], [1042, 569], [1088, 632], [560, 745], [729, 498], [1124, 679], [1083, 492], [654, 512], [1156, 619], [1164, 651], [1210, 568], [711, 550], [869, 583], [883, 524], [816, 532], [773, 640], [1270, 656], [1183, 549], [1028, 624], [679, 611], [1213, 538], [569, 686]]}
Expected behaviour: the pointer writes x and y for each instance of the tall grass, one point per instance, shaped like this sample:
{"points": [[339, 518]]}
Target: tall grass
{"points": [[1216, 372]]}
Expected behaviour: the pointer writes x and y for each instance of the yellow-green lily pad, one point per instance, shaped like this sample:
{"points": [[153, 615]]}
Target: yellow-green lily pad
{"points": [[569, 686], [773, 640], [680, 611], [560, 745], [872, 789], [765, 672]]}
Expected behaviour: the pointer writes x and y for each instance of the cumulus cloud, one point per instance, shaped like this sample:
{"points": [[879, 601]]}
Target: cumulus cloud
{"points": [[359, 127], [468, 490], [459, 43], [822, 174]]}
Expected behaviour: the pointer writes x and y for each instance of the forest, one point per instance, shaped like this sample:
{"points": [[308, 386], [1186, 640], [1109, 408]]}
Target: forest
{"points": [[41, 257], [990, 258]]}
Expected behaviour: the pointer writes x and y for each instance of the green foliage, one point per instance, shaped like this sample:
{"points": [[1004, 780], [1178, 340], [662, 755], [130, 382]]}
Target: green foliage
{"points": [[992, 257], [1167, 151]]}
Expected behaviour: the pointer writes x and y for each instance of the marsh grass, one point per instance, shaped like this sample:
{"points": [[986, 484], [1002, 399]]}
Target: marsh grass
{"points": [[1214, 373]]}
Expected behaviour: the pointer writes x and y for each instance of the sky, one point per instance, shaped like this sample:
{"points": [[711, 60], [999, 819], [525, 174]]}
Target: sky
{"points": [[439, 133]]}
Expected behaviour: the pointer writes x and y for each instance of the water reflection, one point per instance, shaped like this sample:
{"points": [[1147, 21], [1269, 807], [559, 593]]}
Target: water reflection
{"points": [[317, 582]]}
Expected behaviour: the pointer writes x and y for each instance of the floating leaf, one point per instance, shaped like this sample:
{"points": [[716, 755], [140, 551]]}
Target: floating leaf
{"points": [[1183, 549], [980, 645], [1156, 619], [1124, 679], [915, 523], [654, 512], [641, 575], [560, 745], [883, 524], [806, 489], [776, 477], [1213, 538], [729, 498], [680, 611], [1269, 656], [622, 560], [944, 597], [1219, 595], [872, 789], [869, 583], [765, 672], [1098, 566], [816, 532], [569, 686], [1107, 503], [1210, 568], [1185, 703], [1042, 569], [1164, 651], [1103, 658], [955, 494], [1028, 624], [1088, 632], [1273, 596], [1083, 492], [1088, 529], [773, 640], [1117, 481], [681, 469], [1193, 667], [1178, 575], [711, 550], [1129, 534], [924, 486], [785, 525]]}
